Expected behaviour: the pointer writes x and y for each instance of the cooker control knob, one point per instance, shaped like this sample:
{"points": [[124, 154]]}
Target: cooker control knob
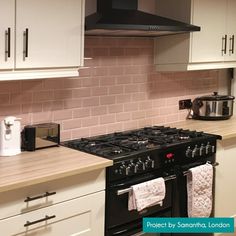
{"points": [[188, 152], [139, 166], [196, 151], [122, 169], [208, 148], [202, 150], [131, 168], [149, 163]]}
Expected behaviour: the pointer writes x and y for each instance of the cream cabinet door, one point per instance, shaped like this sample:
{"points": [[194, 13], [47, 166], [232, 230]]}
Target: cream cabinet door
{"points": [[7, 9], [49, 34], [231, 30], [208, 44], [82, 216]]}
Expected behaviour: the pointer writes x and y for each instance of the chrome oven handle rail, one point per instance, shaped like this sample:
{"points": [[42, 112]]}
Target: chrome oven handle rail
{"points": [[127, 190]]}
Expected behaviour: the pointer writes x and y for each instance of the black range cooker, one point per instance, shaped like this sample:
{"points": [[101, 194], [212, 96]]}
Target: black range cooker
{"points": [[141, 155]]}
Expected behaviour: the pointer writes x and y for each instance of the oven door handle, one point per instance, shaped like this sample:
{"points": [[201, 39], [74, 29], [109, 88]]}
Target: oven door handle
{"points": [[121, 232], [127, 190]]}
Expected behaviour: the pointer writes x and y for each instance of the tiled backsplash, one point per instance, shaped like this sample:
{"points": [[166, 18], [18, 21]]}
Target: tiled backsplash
{"points": [[117, 90]]}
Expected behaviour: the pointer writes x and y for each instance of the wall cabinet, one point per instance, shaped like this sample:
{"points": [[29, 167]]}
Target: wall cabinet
{"points": [[72, 206], [211, 48], [41, 36]]}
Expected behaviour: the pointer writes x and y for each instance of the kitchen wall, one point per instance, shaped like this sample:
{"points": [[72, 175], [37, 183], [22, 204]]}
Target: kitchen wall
{"points": [[117, 90]]}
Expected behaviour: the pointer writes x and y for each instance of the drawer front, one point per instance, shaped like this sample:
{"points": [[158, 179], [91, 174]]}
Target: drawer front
{"points": [[82, 216], [46, 194]]}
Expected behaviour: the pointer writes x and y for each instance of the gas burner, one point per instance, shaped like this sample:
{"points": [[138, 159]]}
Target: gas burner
{"points": [[117, 150], [138, 140], [183, 137]]}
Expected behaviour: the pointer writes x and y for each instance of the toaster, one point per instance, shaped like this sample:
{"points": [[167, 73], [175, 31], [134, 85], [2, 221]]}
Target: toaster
{"points": [[40, 136]]}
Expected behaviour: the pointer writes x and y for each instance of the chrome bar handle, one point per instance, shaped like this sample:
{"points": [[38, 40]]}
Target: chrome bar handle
{"points": [[231, 39], [26, 43], [28, 223], [45, 195], [7, 43], [224, 45]]}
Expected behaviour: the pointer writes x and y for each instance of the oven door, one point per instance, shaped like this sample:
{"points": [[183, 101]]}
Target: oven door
{"points": [[122, 222]]}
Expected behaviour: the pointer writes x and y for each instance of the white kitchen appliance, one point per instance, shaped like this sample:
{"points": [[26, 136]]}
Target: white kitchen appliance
{"points": [[10, 136]]}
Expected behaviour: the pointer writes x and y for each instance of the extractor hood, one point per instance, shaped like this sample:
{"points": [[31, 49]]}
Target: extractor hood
{"points": [[122, 18]]}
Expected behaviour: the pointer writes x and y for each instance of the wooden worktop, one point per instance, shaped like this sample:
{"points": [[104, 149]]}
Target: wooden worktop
{"points": [[29, 168], [225, 128]]}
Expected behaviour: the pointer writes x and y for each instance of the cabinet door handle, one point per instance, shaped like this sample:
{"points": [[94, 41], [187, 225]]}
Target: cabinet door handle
{"points": [[8, 43], [28, 223], [231, 50], [224, 45], [47, 194], [26, 43]]}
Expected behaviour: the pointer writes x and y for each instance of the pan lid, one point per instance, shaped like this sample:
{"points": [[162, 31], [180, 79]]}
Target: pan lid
{"points": [[216, 97]]}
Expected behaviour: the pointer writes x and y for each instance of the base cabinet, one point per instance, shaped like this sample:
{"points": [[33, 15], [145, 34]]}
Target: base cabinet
{"points": [[82, 216], [69, 206]]}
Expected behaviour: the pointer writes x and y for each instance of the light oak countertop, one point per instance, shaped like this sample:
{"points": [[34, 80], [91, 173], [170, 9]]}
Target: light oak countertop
{"points": [[29, 168], [224, 128]]}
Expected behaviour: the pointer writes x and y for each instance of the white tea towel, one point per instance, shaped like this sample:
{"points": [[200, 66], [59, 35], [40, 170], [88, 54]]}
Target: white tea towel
{"points": [[147, 194], [199, 188]]}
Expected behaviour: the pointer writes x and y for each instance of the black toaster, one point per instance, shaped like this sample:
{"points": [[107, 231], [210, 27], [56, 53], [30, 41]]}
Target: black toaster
{"points": [[40, 136]]}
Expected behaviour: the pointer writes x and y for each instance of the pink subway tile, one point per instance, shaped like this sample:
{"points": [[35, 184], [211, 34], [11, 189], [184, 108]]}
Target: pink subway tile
{"points": [[65, 135], [62, 115], [71, 124], [159, 102], [19, 98], [72, 103], [88, 102], [109, 61], [90, 121], [118, 89], [81, 92], [138, 115], [132, 70], [152, 112], [99, 110], [100, 71], [134, 52], [32, 85], [80, 133], [89, 82], [81, 112], [145, 105], [104, 81], [160, 120], [62, 94], [42, 95], [57, 83], [98, 130], [139, 96], [52, 105], [5, 99], [123, 98], [72, 83], [87, 52], [131, 88], [25, 119], [116, 70], [172, 118], [117, 51], [32, 107], [123, 116], [145, 122], [10, 86], [126, 79], [169, 110], [124, 60], [106, 119], [107, 100], [114, 127], [140, 79], [99, 91], [115, 108], [41, 117], [130, 125], [8, 110], [100, 52], [134, 106]]}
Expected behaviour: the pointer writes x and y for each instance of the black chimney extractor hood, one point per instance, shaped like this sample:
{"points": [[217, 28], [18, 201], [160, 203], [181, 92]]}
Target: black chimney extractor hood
{"points": [[122, 18]]}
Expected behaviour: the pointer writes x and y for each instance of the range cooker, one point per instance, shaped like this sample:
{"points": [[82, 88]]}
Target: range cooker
{"points": [[141, 155]]}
